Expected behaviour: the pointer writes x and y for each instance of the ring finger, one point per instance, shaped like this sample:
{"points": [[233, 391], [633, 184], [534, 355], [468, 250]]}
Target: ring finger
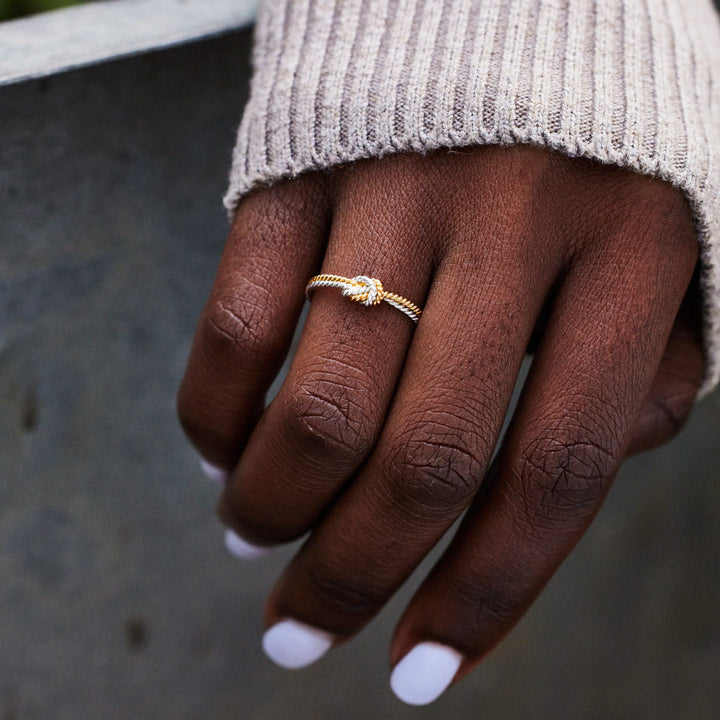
{"points": [[324, 421]]}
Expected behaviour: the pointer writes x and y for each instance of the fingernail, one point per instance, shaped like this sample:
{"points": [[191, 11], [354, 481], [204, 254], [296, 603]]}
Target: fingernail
{"points": [[424, 673], [291, 644], [242, 548], [213, 472]]}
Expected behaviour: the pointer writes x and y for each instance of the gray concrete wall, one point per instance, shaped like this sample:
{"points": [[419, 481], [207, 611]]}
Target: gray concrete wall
{"points": [[117, 600]]}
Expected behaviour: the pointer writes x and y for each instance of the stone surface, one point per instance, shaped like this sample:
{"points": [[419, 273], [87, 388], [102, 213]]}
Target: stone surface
{"points": [[117, 598]]}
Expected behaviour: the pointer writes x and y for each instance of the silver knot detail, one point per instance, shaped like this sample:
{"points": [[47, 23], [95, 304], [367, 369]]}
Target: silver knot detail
{"points": [[365, 290]]}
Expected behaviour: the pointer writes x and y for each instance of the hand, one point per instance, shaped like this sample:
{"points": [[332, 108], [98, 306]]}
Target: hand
{"points": [[383, 433]]}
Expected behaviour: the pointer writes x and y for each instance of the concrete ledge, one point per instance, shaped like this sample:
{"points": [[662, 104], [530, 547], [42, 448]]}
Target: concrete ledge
{"points": [[64, 39]]}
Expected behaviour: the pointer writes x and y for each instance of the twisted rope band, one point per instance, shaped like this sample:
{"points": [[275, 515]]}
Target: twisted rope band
{"points": [[366, 290]]}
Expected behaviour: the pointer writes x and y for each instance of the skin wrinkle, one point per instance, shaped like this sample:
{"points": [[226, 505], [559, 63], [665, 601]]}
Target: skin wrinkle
{"points": [[350, 334], [309, 484], [559, 514], [438, 468], [349, 596], [245, 332], [554, 545], [446, 409], [375, 499], [250, 303], [240, 326], [281, 521], [535, 528], [233, 335], [564, 477], [489, 602], [320, 412], [428, 470], [415, 516], [576, 472], [333, 418], [433, 422]]}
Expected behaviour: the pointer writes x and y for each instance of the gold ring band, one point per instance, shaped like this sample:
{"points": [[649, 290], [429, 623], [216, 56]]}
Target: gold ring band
{"points": [[365, 290]]}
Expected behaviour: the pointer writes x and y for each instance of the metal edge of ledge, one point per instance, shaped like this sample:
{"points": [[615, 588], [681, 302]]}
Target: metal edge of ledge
{"points": [[53, 42]]}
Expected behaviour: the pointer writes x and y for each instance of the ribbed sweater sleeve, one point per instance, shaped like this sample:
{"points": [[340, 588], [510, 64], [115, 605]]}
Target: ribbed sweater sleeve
{"points": [[635, 83]]}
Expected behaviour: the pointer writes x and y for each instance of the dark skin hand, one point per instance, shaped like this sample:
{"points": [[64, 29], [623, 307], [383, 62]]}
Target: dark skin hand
{"points": [[382, 434]]}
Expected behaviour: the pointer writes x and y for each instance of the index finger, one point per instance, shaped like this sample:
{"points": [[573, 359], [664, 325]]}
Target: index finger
{"points": [[247, 325]]}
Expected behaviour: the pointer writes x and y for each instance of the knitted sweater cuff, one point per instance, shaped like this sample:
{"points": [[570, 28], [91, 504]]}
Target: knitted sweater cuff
{"points": [[635, 83]]}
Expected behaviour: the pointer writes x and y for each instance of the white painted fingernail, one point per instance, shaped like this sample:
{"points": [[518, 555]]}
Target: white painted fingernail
{"points": [[213, 472], [291, 644], [424, 673], [242, 548]]}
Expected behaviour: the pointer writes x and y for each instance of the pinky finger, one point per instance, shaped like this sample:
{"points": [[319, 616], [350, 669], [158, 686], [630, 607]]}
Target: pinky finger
{"points": [[674, 390]]}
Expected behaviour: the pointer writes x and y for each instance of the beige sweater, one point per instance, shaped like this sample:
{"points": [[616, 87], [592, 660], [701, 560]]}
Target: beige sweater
{"points": [[635, 83]]}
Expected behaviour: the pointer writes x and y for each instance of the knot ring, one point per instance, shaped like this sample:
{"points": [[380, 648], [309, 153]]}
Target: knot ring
{"points": [[365, 290]]}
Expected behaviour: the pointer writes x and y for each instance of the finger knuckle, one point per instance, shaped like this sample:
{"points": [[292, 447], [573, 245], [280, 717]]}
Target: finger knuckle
{"points": [[342, 594], [433, 469], [563, 478], [329, 418], [238, 328]]}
